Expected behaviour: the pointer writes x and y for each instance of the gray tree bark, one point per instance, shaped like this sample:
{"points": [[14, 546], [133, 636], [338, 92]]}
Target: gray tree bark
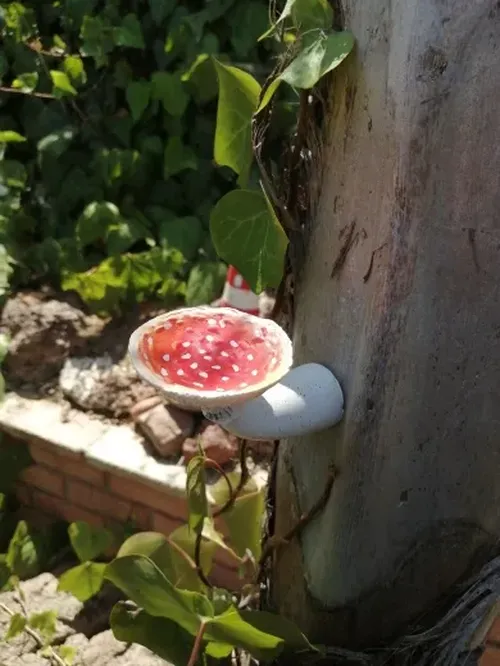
{"points": [[409, 322]]}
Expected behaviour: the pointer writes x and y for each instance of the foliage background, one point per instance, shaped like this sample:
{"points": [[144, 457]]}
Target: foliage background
{"points": [[107, 123]]}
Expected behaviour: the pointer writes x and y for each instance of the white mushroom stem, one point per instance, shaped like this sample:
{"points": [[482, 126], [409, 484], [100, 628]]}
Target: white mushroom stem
{"points": [[308, 399]]}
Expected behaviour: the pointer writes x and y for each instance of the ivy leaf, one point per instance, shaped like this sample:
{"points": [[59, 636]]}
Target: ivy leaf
{"points": [[16, 626], [62, 84], [129, 33], [138, 94], [247, 234], [205, 282], [83, 581], [160, 9], [44, 623], [152, 545], [178, 157], [74, 68], [123, 235], [6, 269], [26, 82], [308, 15], [169, 90], [94, 222], [248, 20], [89, 541], [13, 174], [143, 582], [196, 494], [23, 557], [9, 136], [238, 98], [182, 233], [317, 59]]}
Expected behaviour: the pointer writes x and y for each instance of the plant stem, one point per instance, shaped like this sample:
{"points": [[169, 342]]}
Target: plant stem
{"points": [[36, 637], [18, 91], [197, 645]]}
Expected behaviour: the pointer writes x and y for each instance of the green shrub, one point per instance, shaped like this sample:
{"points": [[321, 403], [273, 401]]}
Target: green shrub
{"points": [[107, 124]]}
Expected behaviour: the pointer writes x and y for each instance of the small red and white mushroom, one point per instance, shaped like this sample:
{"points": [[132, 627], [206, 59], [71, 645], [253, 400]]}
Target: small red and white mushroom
{"points": [[206, 357]]}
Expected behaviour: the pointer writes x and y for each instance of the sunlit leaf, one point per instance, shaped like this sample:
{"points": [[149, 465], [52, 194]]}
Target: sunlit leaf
{"points": [[23, 556], [196, 494], [247, 234], [143, 582], [26, 82], [318, 58], [16, 626], [238, 99], [83, 581], [9, 136], [44, 623], [62, 84]]}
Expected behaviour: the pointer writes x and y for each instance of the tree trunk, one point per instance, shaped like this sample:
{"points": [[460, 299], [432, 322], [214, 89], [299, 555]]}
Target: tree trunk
{"points": [[409, 322]]}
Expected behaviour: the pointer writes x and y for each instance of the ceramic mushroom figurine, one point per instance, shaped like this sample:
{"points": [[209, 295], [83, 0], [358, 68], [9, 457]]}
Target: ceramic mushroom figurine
{"points": [[235, 368]]}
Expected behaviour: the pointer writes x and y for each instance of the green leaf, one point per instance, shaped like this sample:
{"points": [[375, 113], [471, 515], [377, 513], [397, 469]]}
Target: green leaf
{"points": [[62, 84], [16, 626], [88, 541], [247, 234], [5, 572], [183, 558], [169, 90], [74, 68], [318, 58], [94, 222], [23, 557], [248, 20], [152, 545], [205, 282], [178, 157], [83, 581], [13, 174], [308, 14], [160, 9], [129, 33], [238, 98], [67, 653], [9, 136], [6, 270], [118, 279], [182, 233], [138, 95], [123, 235], [44, 623], [143, 582], [196, 494], [163, 637], [26, 82]]}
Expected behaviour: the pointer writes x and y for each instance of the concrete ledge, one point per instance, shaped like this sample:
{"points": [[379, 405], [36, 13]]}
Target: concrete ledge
{"points": [[86, 469]]}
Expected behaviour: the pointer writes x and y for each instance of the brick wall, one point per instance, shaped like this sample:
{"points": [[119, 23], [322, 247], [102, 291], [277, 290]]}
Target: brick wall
{"points": [[64, 484]]}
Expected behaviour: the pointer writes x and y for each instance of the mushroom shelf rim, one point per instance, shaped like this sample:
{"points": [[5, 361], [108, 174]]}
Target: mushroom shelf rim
{"points": [[196, 399]]}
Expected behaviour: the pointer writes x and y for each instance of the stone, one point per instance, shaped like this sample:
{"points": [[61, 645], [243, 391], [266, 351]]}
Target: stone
{"points": [[145, 405], [166, 428], [43, 333], [218, 444], [99, 384]]}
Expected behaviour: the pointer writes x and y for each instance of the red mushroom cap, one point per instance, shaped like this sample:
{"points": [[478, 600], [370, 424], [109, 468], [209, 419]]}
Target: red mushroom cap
{"points": [[210, 357]]}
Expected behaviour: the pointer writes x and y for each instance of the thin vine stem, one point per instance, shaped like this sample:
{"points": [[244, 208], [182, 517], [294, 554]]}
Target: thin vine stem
{"points": [[195, 652]]}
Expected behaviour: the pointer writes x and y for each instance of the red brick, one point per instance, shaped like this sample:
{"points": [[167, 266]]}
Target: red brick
{"points": [[44, 479], [23, 494], [64, 509], [71, 465], [141, 517], [164, 524], [96, 500], [142, 494], [491, 657]]}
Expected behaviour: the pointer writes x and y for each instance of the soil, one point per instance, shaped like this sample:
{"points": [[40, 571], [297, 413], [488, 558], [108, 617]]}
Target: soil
{"points": [[46, 328]]}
